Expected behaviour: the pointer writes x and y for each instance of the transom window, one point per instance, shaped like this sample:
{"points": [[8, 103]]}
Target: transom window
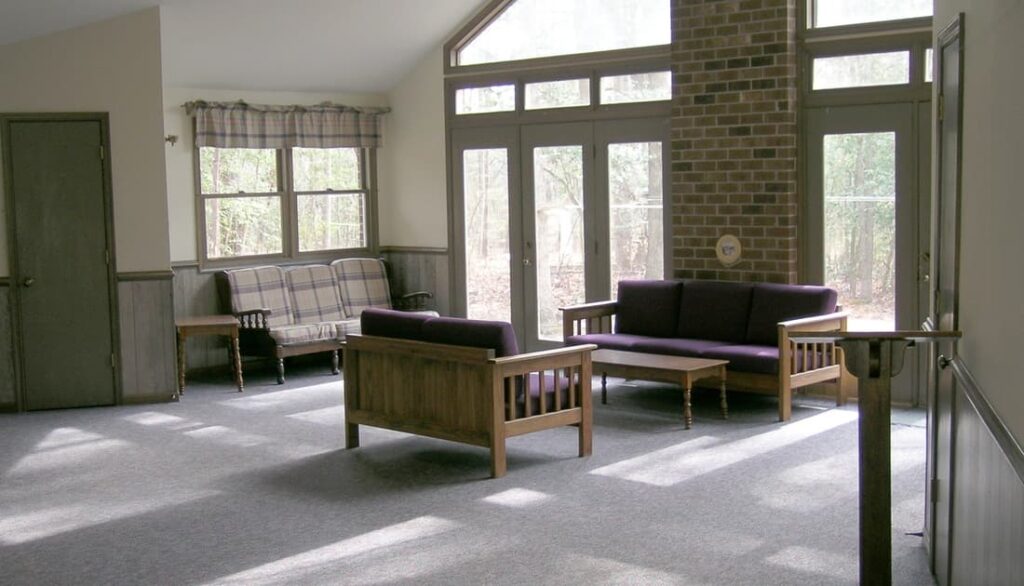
{"points": [[528, 29], [281, 202], [827, 13]]}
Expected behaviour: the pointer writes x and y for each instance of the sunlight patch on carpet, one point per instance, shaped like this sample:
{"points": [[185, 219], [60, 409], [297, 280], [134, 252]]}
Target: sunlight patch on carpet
{"points": [[15, 529], [68, 457], [517, 498], [227, 436], [63, 436], [154, 418], [312, 562], [274, 399], [675, 464], [816, 561], [326, 416]]}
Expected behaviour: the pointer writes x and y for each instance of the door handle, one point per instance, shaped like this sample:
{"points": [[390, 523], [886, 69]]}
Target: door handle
{"points": [[527, 262], [28, 282], [944, 361]]}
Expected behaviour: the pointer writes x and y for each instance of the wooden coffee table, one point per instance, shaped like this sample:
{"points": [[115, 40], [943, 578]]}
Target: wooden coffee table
{"points": [[661, 368]]}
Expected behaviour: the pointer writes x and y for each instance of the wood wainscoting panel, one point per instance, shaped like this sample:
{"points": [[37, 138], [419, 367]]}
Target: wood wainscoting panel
{"points": [[988, 493], [148, 354], [195, 293], [420, 269]]}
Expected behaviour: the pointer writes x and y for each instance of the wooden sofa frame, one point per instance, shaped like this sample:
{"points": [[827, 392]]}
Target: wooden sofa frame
{"points": [[460, 393], [806, 363]]}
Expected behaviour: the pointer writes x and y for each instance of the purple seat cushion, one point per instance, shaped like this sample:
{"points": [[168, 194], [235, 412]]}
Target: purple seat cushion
{"points": [[747, 358], [675, 346], [392, 324], [533, 384], [714, 310], [648, 307], [771, 304], [607, 341], [496, 335]]}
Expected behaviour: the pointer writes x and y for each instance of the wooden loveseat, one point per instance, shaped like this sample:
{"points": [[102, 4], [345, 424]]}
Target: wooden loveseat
{"points": [[304, 309], [747, 324], [461, 380]]}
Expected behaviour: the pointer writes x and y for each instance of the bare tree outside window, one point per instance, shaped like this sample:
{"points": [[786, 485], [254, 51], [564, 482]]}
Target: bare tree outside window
{"points": [[860, 225], [488, 272], [635, 198], [558, 200]]}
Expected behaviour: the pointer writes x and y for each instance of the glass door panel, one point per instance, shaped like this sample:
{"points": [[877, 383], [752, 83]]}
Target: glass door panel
{"points": [[488, 277], [636, 247], [860, 226], [559, 224]]}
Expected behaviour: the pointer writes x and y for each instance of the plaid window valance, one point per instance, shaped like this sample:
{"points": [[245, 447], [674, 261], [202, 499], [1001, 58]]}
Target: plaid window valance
{"points": [[241, 125]]}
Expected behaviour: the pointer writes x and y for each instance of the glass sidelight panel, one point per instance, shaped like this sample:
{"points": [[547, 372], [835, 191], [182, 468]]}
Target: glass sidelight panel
{"points": [[636, 247], [558, 204], [488, 272], [860, 226]]}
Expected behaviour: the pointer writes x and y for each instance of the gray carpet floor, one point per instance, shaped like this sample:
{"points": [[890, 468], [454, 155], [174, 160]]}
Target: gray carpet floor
{"points": [[256, 488]]}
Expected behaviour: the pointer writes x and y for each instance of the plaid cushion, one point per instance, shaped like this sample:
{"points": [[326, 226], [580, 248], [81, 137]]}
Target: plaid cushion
{"points": [[345, 327], [314, 294], [301, 333], [362, 283], [261, 288]]}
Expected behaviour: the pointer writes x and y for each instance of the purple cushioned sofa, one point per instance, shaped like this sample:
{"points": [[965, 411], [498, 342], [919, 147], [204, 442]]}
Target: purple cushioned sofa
{"points": [[461, 380], [744, 323]]}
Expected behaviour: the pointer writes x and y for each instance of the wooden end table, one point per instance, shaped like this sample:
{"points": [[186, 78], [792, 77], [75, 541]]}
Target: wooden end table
{"points": [[679, 370], [208, 325]]}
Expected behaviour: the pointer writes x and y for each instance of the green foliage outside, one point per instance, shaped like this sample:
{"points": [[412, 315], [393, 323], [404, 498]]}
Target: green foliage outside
{"points": [[860, 221], [247, 225]]}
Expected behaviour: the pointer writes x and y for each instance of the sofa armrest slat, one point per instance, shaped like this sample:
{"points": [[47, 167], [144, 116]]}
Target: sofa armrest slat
{"points": [[543, 360], [253, 319], [816, 323], [588, 318]]}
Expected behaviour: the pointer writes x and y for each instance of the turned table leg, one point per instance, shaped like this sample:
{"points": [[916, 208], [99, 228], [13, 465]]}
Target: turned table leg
{"points": [[237, 362], [725, 403], [687, 406]]}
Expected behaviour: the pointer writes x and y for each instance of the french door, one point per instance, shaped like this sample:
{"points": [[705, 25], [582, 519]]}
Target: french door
{"points": [[550, 215], [866, 229]]}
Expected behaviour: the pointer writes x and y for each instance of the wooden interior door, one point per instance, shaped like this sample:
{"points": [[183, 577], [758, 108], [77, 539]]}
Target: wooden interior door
{"points": [[57, 191], [945, 293]]}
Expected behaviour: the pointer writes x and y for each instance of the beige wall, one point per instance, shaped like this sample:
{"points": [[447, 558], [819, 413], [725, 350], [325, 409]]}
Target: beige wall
{"points": [[991, 274], [180, 186], [413, 200], [112, 66]]}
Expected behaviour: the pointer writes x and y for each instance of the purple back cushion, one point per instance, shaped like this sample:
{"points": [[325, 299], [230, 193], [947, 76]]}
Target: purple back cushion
{"points": [[648, 308], [773, 303], [714, 310], [392, 324], [496, 335]]}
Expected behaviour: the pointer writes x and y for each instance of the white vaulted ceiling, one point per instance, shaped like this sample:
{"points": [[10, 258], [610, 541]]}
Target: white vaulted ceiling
{"points": [[294, 45]]}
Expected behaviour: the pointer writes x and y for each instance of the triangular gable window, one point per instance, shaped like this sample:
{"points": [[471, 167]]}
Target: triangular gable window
{"points": [[529, 29]]}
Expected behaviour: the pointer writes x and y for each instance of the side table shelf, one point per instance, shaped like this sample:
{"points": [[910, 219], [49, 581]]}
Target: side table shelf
{"points": [[208, 325]]}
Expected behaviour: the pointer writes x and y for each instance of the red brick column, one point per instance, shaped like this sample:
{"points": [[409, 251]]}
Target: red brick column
{"points": [[734, 137]]}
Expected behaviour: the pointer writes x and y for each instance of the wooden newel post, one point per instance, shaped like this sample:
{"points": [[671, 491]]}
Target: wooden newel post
{"points": [[874, 363], [874, 358]]}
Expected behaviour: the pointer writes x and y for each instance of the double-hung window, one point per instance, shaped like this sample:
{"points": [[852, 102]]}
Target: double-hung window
{"points": [[260, 202], [282, 202]]}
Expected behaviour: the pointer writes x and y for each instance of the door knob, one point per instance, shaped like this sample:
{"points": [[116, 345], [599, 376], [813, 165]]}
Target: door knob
{"points": [[28, 282], [944, 361]]}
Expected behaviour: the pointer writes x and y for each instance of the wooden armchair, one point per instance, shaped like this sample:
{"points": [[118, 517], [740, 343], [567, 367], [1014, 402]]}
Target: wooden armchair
{"points": [[461, 393]]}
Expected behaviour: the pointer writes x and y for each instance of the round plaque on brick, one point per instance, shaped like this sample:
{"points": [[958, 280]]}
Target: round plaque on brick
{"points": [[728, 250]]}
